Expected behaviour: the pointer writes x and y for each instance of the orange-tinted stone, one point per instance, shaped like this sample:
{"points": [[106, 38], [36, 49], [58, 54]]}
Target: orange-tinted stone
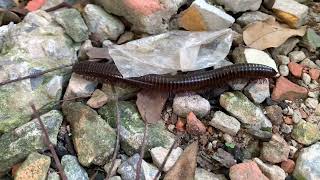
{"points": [[314, 74], [194, 125], [180, 125], [288, 120], [246, 171], [192, 20], [145, 7], [287, 90], [295, 69], [288, 166]]}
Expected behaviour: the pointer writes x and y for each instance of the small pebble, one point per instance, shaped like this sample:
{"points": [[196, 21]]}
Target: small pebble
{"points": [[292, 151], [171, 127], [288, 120], [184, 104], [306, 78], [295, 69], [311, 103], [308, 63], [285, 128], [318, 62], [283, 60], [288, 166], [314, 74], [194, 125], [228, 138], [297, 56], [283, 70], [296, 117]]}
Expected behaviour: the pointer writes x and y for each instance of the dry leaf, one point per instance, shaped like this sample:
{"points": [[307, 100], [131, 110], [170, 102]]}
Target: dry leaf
{"points": [[265, 34], [150, 104]]}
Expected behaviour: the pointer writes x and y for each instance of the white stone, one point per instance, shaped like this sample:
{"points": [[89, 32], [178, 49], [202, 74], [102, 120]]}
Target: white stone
{"points": [[282, 59], [284, 70], [259, 57], [258, 90], [184, 104], [240, 5], [158, 155], [225, 123], [273, 172], [251, 17], [297, 56], [54, 87], [105, 25], [202, 174], [311, 103]]}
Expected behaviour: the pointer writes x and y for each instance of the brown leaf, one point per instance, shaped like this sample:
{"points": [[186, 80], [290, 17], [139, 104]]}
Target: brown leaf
{"points": [[98, 53], [150, 104], [269, 33], [185, 167]]}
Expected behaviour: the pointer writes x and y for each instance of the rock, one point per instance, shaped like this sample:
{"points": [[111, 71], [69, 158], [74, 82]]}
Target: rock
{"points": [[244, 170], [27, 51], [285, 128], [72, 22], [147, 16], [50, 4], [115, 178], [317, 110], [314, 74], [243, 109], [194, 125], [260, 134], [275, 151], [34, 167], [225, 123], [258, 90], [19, 143], [284, 60], [291, 12], [240, 5], [251, 17], [187, 161], [101, 23], [259, 57], [224, 158], [286, 47], [86, 45], [6, 4], [283, 70], [184, 104], [273, 172], [274, 113], [238, 84], [132, 128], [98, 99], [202, 174], [201, 16], [72, 168], [308, 164], [288, 166], [311, 103], [93, 138], [53, 176], [297, 56], [305, 133], [287, 90], [306, 78], [311, 40], [295, 69], [158, 155], [125, 37], [128, 171], [79, 87], [308, 63], [296, 117], [126, 91], [107, 167]]}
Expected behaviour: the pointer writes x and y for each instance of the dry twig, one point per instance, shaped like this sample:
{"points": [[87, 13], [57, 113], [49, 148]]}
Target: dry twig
{"points": [[143, 147], [49, 144]]}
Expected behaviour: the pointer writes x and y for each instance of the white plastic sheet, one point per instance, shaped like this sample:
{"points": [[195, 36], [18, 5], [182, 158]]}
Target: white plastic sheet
{"points": [[172, 51]]}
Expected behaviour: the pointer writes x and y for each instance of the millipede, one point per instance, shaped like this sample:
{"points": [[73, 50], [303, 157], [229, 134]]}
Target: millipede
{"points": [[192, 81]]}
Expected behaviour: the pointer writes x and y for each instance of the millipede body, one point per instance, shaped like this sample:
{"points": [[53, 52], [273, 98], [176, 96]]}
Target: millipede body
{"points": [[181, 82]]}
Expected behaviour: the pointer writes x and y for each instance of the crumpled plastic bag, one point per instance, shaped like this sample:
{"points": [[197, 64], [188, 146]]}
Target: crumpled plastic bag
{"points": [[171, 52]]}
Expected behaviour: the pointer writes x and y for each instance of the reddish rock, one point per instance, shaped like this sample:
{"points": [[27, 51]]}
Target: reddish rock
{"points": [[194, 125], [295, 69], [246, 171], [304, 115], [180, 125], [314, 74], [287, 90], [288, 166], [288, 120]]}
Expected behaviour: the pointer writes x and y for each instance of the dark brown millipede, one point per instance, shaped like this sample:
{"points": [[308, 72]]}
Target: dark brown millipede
{"points": [[181, 82]]}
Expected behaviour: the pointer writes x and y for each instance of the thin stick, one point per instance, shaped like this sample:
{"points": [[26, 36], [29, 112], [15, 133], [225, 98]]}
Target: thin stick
{"points": [[116, 149], [166, 158], [49, 144], [34, 75], [143, 146]]}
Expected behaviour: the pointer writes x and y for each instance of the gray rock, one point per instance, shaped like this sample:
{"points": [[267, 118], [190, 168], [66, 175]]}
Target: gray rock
{"points": [[275, 151], [72, 168], [93, 138], [258, 90], [308, 63], [306, 78], [127, 170], [72, 22], [311, 103], [79, 87], [286, 47], [281, 59], [297, 56], [202, 174], [158, 155], [50, 4], [38, 43], [152, 19], [212, 18], [53, 176], [238, 84], [225, 158], [251, 17], [132, 128], [311, 40], [34, 167], [125, 37], [274, 113], [225, 123], [6, 4], [240, 5], [86, 45], [103, 24], [19, 143], [260, 134], [308, 164], [184, 104], [283, 70], [107, 167], [244, 110], [273, 172], [296, 117], [285, 128]]}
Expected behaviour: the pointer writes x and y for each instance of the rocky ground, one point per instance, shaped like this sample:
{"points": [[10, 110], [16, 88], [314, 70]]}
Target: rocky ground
{"points": [[245, 130]]}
